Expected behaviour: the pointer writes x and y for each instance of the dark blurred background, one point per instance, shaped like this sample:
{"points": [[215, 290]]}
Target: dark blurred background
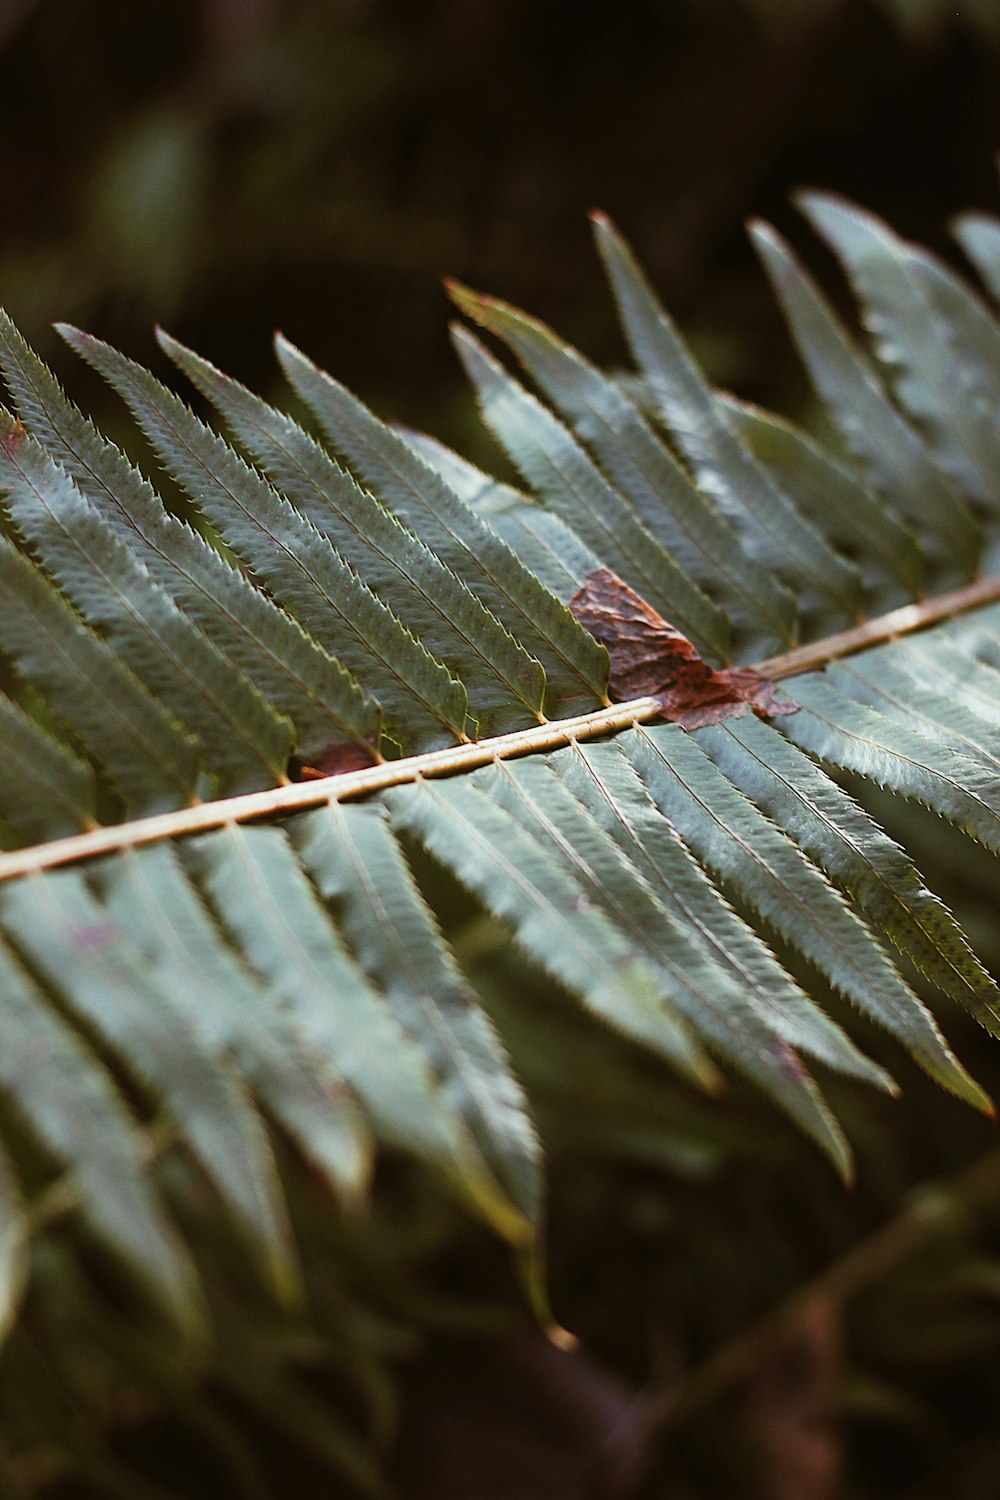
{"points": [[230, 166]]}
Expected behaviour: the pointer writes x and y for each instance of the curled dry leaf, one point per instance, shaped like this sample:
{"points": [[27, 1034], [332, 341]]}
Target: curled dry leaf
{"points": [[650, 659]]}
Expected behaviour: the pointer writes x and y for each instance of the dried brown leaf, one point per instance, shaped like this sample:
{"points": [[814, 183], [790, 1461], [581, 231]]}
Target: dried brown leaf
{"points": [[650, 659]]}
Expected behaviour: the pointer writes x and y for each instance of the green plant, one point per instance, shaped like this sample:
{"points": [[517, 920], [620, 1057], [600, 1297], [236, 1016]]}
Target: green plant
{"points": [[254, 751]]}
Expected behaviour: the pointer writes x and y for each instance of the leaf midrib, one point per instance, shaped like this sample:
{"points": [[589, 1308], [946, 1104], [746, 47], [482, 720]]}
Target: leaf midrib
{"points": [[552, 735]]}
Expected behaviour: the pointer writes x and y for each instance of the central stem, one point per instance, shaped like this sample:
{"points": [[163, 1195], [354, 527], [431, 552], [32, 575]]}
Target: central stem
{"points": [[553, 735]]}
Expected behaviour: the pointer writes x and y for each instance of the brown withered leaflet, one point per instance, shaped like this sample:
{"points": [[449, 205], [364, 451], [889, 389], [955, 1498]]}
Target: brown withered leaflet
{"points": [[650, 659]]}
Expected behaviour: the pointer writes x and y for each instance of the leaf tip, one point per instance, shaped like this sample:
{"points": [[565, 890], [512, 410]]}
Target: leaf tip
{"points": [[291, 356], [472, 303], [763, 234], [461, 334], [166, 341], [479, 363]]}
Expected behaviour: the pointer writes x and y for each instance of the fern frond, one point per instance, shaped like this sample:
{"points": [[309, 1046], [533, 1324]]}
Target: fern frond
{"points": [[505, 684], [852, 850], [57, 1086], [935, 341], [556, 554], [642, 468], [295, 675], [148, 757], [571, 486], [771, 527], [424, 705], [245, 742], [979, 237], [838, 501], [212, 973], [901, 469], [44, 786], [358, 868], [838, 726], [109, 975], [421, 500]]}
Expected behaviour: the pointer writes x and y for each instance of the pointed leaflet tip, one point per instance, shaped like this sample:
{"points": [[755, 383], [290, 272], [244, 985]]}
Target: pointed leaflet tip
{"points": [[467, 297], [479, 364], [290, 355], [166, 340], [470, 302], [612, 246], [188, 359], [508, 322], [815, 202], [465, 336], [763, 235], [73, 336], [804, 197]]}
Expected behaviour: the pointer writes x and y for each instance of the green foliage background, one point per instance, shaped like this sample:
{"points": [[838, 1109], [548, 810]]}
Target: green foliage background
{"points": [[232, 165]]}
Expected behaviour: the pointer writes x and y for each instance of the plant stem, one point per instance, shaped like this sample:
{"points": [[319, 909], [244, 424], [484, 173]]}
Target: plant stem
{"points": [[553, 735], [903, 621]]}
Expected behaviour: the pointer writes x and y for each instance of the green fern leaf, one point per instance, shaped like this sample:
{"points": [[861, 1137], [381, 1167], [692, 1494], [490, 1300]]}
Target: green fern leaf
{"points": [[852, 850], [892, 681], [265, 900], [604, 779], [552, 916], [836, 500], [245, 744], [834, 726], [870, 426], [268, 971], [770, 524], [979, 237], [558, 469], [553, 551], [359, 870], [716, 1009], [149, 758], [772, 875], [406, 575], [542, 627], [295, 675], [45, 789], [109, 976], [643, 469], [424, 705], [148, 894], [88, 1128], [930, 353]]}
